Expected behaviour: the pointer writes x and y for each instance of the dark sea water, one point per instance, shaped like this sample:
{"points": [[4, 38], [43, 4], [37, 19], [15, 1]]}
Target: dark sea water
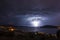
{"points": [[32, 29]]}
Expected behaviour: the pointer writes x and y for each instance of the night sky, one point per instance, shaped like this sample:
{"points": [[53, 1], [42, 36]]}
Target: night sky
{"points": [[15, 12]]}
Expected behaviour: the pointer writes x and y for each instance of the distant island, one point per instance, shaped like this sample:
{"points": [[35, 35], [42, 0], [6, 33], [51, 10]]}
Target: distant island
{"points": [[48, 26], [45, 26]]}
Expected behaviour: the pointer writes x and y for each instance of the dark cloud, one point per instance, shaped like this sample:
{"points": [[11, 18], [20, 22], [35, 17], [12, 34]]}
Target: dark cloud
{"points": [[37, 4], [11, 8]]}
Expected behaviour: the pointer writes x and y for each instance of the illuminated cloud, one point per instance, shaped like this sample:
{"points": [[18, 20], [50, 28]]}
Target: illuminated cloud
{"points": [[36, 21]]}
